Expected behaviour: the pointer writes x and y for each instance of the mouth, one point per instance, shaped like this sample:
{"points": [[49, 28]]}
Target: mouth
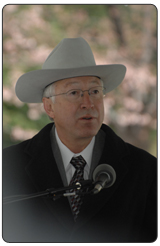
{"points": [[88, 118]]}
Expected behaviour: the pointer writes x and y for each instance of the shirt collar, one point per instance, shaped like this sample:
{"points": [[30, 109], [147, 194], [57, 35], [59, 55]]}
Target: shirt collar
{"points": [[67, 154]]}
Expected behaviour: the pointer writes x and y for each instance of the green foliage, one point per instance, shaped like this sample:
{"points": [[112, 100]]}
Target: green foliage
{"points": [[6, 78], [18, 117], [93, 10]]}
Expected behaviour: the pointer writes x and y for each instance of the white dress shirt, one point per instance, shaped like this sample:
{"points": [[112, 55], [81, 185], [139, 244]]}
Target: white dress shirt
{"points": [[67, 155]]}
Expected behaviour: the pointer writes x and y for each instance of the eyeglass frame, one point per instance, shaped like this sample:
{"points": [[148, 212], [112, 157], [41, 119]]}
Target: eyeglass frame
{"points": [[82, 92]]}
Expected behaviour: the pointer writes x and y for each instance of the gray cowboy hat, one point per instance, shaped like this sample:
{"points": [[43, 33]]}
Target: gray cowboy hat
{"points": [[72, 57]]}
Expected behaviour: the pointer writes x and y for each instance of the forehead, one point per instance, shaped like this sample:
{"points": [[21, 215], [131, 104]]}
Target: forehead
{"points": [[85, 80]]}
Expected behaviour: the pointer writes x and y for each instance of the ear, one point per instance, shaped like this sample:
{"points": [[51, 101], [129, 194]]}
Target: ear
{"points": [[48, 107]]}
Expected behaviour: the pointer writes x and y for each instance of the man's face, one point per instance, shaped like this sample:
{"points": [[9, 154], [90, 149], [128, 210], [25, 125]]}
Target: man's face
{"points": [[82, 118]]}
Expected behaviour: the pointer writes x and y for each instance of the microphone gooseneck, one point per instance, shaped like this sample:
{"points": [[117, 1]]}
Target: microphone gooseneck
{"points": [[54, 193]]}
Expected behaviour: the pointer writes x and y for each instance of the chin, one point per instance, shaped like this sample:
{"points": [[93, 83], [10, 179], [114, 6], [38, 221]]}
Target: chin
{"points": [[88, 134], [88, 130]]}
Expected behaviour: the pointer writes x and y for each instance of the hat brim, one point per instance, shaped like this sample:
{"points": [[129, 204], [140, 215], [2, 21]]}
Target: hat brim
{"points": [[30, 86]]}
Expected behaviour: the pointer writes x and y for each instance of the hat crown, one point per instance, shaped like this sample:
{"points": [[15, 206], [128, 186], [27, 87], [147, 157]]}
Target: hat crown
{"points": [[70, 58], [70, 53]]}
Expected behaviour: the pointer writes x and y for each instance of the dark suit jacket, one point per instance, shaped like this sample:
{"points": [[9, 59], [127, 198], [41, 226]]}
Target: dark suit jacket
{"points": [[125, 212]]}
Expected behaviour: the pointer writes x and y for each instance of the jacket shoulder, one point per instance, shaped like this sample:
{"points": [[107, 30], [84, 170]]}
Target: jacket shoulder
{"points": [[143, 161], [133, 153], [14, 152], [33, 143], [15, 147], [141, 153]]}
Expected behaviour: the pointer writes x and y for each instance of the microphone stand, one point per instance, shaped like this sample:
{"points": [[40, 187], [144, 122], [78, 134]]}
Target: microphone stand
{"points": [[55, 193]]}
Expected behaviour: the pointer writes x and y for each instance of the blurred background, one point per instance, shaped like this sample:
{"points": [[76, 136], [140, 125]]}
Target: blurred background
{"points": [[125, 34]]}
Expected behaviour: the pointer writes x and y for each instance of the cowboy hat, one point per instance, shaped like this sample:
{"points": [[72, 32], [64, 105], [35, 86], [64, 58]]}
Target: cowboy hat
{"points": [[72, 57]]}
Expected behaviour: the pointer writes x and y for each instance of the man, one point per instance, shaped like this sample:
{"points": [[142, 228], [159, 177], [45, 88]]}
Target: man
{"points": [[70, 150]]}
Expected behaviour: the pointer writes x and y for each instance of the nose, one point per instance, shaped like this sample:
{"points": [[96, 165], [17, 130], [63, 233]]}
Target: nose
{"points": [[86, 101]]}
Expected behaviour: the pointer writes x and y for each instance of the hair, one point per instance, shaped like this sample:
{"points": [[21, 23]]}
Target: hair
{"points": [[50, 90]]}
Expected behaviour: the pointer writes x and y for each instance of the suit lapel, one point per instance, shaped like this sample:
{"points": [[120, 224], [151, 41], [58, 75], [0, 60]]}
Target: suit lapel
{"points": [[97, 151], [58, 157], [43, 171], [41, 167], [113, 152]]}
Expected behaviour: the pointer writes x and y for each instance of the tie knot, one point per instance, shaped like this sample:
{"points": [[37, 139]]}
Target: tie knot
{"points": [[78, 162]]}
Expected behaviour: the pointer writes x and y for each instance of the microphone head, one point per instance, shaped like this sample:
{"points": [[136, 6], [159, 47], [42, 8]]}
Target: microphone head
{"points": [[105, 169]]}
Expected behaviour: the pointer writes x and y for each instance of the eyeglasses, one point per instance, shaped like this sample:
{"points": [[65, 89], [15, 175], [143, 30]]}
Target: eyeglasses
{"points": [[74, 94]]}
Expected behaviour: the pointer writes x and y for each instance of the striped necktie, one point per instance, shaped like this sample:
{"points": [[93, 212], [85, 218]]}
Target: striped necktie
{"points": [[76, 200]]}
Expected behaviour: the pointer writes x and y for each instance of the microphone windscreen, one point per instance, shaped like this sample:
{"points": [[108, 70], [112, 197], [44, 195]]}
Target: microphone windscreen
{"points": [[105, 168]]}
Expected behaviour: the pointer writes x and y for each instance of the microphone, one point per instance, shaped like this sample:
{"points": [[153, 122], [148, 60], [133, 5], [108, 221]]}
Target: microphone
{"points": [[104, 176]]}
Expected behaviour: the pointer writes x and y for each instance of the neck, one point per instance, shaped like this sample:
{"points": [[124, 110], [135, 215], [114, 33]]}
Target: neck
{"points": [[77, 148], [77, 145]]}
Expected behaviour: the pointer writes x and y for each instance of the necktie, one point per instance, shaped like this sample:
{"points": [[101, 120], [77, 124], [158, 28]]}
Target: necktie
{"points": [[76, 201]]}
